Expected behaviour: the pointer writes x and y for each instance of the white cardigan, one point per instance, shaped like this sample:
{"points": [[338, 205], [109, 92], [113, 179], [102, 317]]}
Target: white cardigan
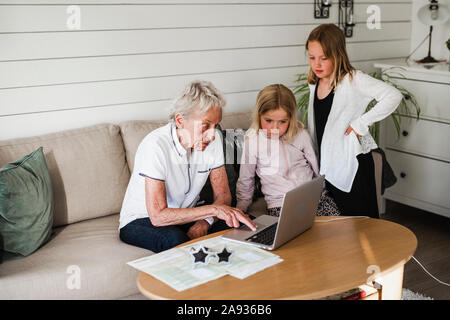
{"points": [[338, 160]]}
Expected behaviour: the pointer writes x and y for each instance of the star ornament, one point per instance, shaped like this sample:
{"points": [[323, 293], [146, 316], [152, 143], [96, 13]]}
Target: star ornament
{"points": [[199, 255], [224, 256]]}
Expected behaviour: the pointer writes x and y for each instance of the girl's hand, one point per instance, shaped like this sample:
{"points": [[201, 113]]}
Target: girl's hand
{"points": [[350, 129]]}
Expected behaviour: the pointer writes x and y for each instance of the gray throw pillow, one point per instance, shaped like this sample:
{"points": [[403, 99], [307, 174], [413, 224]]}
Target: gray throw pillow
{"points": [[232, 140]]}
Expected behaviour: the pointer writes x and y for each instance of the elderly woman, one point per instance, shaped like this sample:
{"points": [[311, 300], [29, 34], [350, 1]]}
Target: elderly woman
{"points": [[171, 167]]}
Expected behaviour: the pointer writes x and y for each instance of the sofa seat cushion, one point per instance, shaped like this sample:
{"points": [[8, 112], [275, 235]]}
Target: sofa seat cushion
{"points": [[91, 249]]}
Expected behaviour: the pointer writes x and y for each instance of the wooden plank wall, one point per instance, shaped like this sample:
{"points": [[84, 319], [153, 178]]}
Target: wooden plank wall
{"points": [[129, 59]]}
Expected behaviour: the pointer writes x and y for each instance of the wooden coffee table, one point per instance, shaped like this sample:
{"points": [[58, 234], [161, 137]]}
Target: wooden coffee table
{"points": [[329, 258]]}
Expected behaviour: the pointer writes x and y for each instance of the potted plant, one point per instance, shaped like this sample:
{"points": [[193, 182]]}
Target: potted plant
{"points": [[408, 106]]}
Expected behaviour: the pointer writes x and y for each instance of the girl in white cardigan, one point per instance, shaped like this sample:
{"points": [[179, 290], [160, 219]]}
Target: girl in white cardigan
{"points": [[338, 123]]}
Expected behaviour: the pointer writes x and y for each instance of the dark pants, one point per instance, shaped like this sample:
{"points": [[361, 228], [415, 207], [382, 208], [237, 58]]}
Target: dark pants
{"points": [[141, 233], [362, 198]]}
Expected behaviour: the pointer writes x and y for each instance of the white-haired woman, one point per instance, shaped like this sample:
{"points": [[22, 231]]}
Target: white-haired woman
{"points": [[171, 167]]}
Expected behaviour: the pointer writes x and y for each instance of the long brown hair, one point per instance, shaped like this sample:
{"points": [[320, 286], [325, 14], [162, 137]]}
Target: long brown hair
{"points": [[332, 40], [273, 97]]}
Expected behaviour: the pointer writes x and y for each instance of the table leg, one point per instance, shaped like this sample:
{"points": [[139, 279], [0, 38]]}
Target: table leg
{"points": [[392, 284]]}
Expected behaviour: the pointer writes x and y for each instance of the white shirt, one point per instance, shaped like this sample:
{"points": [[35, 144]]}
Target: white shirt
{"points": [[338, 152], [161, 156]]}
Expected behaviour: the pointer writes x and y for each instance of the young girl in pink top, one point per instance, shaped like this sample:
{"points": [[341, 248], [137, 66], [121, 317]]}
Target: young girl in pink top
{"points": [[277, 148]]}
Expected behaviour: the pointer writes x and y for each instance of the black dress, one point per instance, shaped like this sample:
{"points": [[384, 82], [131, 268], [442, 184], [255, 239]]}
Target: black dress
{"points": [[362, 198]]}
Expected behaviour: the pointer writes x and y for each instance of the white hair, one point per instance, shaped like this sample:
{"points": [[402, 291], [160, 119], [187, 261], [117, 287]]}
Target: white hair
{"points": [[200, 94]]}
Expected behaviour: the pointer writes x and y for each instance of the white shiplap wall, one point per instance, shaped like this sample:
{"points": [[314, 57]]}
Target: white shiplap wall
{"points": [[130, 58]]}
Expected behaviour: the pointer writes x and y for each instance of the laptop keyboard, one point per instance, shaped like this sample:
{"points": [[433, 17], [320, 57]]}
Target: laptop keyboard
{"points": [[266, 236]]}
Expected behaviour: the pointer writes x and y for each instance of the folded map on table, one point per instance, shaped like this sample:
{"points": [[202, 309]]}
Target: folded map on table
{"points": [[179, 268]]}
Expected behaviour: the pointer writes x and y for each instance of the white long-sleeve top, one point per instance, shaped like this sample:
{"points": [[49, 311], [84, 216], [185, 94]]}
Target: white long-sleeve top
{"points": [[338, 152], [281, 166]]}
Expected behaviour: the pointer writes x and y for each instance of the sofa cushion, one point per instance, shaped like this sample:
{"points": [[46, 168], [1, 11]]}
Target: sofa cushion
{"points": [[133, 132], [235, 120], [87, 167], [26, 204], [232, 150], [85, 260]]}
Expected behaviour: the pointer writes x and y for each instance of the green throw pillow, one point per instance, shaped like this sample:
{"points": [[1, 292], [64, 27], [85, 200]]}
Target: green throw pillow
{"points": [[26, 204]]}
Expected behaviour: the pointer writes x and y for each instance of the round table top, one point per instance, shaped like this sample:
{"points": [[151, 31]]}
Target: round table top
{"points": [[327, 259]]}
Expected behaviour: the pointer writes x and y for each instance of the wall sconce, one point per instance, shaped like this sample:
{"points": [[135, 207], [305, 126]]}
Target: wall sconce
{"points": [[345, 21], [322, 9]]}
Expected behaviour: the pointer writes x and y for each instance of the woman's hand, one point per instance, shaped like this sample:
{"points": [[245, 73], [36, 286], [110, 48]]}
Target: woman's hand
{"points": [[199, 229], [232, 216], [350, 129]]}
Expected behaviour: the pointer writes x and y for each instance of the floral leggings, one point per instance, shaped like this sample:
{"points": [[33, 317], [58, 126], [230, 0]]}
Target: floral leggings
{"points": [[327, 207]]}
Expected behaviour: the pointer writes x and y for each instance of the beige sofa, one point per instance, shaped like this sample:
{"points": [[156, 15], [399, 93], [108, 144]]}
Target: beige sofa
{"points": [[90, 169]]}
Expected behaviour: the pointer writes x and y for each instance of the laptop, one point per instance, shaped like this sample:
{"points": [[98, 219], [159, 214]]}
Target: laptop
{"points": [[297, 215]]}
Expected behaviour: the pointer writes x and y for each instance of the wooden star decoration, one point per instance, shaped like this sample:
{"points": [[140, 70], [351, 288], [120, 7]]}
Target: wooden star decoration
{"points": [[224, 256]]}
